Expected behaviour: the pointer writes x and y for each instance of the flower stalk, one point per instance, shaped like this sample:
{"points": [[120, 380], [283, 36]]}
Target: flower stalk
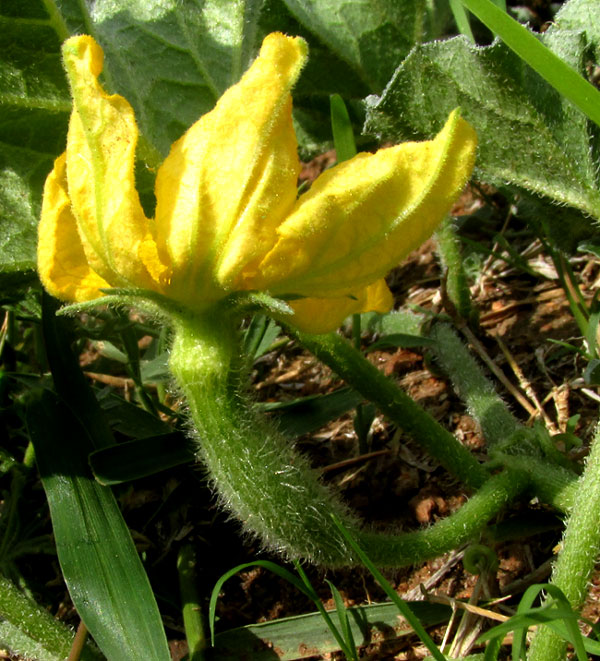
{"points": [[272, 489]]}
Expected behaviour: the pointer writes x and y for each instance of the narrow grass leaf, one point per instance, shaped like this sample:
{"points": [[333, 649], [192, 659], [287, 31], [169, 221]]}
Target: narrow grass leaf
{"points": [[259, 336], [341, 126], [348, 652], [303, 636], [136, 459], [592, 328], [558, 615], [342, 613], [306, 414], [103, 572], [402, 605], [265, 564], [462, 19], [193, 619]]}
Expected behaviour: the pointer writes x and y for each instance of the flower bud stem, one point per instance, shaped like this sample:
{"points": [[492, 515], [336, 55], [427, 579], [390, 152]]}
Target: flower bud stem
{"points": [[269, 486]]}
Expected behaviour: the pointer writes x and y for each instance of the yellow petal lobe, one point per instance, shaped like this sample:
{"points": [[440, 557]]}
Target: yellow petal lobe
{"points": [[363, 216], [231, 179], [117, 237], [62, 264], [322, 315]]}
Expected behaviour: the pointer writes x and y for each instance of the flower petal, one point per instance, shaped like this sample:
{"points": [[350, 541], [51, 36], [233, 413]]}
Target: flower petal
{"points": [[62, 265], [362, 217], [115, 233], [322, 315], [231, 179]]}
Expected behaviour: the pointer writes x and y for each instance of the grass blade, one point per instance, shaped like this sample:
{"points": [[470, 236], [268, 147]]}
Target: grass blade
{"points": [[103, 572], [462, 19], [342, 613], [303, 636], [402, 606], [343, 135]]}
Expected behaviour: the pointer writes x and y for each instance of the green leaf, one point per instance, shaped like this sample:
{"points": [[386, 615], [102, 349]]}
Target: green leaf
{"points": [[529, 136], [401, 340], [103, 572], [145, 456], [303, 636], [581, 15], [306, 414], [259, 336], [372, 36], [129, 419], [34, 110], [172, 60], [563, 77]]}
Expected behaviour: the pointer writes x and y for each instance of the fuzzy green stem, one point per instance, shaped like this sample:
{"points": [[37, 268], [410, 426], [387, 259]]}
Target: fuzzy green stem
{"points": [[269, 486], [457, 287], [552, 484], [579, 551], [257, 473], [455, 530], [496, 421], [364, 377]]}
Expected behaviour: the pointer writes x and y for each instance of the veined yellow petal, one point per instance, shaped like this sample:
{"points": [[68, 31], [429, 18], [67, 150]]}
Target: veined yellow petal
{"points": [[322, 315], [62, 264], [363, 216], [231, 179], [116, 235]]}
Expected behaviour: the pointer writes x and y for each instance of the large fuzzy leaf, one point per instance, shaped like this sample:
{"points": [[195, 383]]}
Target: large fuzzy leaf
{"points": [[530, 137]]}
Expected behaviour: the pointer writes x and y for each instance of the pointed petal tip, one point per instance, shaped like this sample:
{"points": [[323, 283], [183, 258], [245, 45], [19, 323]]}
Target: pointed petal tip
{"points": [[83, 47], [287, 54]]}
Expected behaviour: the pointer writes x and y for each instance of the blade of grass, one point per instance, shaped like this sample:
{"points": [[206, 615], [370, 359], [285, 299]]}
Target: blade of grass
{"points": [[102, 570], [302, 584], [402, 606], [342, 613], [343, 135], [193, 621], [541, 59], [265, 564], [462, 19], [303, 636]]}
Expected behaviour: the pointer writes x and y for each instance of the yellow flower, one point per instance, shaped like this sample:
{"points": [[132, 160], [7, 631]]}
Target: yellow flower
{"points": [[227, 218]]}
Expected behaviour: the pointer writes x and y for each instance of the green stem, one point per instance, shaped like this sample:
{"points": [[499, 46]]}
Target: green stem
{"points": [[364, 377], [457, 287], [579, 550], [496, 421], [270, 487], [193, 621], [455, 530], [552, 484], [257, 473]]}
